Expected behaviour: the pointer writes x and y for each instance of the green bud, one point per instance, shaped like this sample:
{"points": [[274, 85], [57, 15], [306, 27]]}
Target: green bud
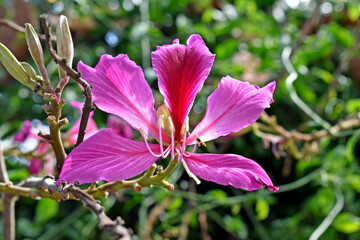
{"points": [[16, 69], [65, 47], [30, 71], [34, 46]]}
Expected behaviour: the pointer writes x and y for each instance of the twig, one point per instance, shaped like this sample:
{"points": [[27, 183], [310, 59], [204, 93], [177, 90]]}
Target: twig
{"points": [[19, 28], [8, 202], [204, 226], [115, 228], [88, 106], [153, 216], [330, 217]]}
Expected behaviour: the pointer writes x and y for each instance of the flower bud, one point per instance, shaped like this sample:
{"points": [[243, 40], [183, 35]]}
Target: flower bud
{"points": [[34, 46], [16, 69], [65, 47]]}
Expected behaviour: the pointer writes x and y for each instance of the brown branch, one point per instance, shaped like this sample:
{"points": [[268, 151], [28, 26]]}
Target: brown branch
{"points": [[8, 202], [19, 28], [115, 228], [88, 106], [37, 188], [204, 226]]}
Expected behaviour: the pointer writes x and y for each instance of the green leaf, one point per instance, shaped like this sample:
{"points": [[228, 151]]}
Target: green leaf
{"points": [[175, 204], [343, 35], [353, 105], [262, 209], [226, 48], [18, 174], [236, 225], [347, 223], [46, 209], [217, 193]]}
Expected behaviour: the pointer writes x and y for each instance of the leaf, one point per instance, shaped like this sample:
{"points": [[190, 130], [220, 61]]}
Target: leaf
{"points": [[217, 193], [353, 105], [46, 209], [262, 209], [347, 223], [175, 204], [236, 225], [18, 174], [343, 35]]}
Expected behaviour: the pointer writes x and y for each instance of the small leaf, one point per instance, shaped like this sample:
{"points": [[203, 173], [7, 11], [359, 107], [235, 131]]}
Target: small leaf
{"points": [[262, 209], [175, 204], [347, 223], [217, 193], [18, 174], [46, 209], [353, 105]]}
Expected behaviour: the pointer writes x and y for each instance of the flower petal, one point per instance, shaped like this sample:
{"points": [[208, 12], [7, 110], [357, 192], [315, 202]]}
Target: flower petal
{"points": [[229, 169], [107, 156], [119, 87], [182, 71], [232, 106]]}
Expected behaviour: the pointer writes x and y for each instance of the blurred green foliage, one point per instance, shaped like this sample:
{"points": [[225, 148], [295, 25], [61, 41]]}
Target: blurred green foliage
{"points": [[248, 38]]}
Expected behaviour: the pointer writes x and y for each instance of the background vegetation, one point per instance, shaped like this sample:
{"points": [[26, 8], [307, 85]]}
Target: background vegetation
{"points": [[311, 149]]}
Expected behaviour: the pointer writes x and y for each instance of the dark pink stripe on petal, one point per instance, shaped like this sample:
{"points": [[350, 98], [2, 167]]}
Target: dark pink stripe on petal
{"points": [[229, 169], [182, 71], [107, 156], [233, 106], [119, 87]]}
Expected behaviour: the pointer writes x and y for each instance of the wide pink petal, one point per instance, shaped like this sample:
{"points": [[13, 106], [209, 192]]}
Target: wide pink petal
{"points": [[182, 71], [232, 106], [229, 169], [119, 87], [107, 156]]}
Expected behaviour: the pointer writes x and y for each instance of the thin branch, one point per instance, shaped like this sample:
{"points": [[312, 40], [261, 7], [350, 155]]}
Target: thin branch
{"points": [[8, 202], [88, 106], [19, 28], [115, 228], [330, 217]]}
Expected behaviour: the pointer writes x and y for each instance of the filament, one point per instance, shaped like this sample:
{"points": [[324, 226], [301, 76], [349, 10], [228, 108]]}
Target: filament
{"points": [[160, 135], [172, 138], [147, 145], [191, 175], [183, 143]]}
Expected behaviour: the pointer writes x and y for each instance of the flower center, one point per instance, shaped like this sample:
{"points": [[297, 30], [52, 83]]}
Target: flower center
{"points": [[175, 147]]}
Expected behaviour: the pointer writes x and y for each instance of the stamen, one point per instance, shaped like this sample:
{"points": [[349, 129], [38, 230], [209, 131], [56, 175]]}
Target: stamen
{"points": [[191, 175], [172, 138], [184, 140], [160, 135], [142, 132], [189, 154], [199, 142]]}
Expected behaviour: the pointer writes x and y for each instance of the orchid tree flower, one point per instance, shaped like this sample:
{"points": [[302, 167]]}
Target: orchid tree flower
{"points": [[91, 127], [119, 126], [29, 133], [119, 87]]}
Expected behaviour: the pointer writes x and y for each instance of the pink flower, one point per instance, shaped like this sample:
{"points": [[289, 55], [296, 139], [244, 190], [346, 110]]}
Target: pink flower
{"points": [[119, 87], [91, 128], [119, 126], [26, 132], [35, 166]]}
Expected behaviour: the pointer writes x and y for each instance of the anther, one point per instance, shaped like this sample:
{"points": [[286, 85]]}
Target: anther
{"points": [[199, 142]]}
